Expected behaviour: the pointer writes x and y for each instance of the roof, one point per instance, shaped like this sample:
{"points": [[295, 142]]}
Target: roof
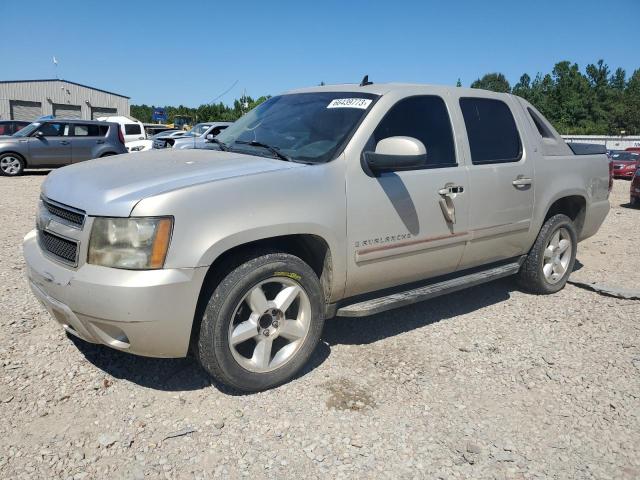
{"points": [[66, 81], [384, 88], [72, 120]]}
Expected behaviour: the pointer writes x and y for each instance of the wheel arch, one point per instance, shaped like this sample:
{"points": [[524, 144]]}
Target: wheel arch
{"points": [[573, 206], [17, 154], [313, 249]]}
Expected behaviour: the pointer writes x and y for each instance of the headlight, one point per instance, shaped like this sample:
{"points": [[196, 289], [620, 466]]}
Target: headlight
{"points": [[130, 243]]}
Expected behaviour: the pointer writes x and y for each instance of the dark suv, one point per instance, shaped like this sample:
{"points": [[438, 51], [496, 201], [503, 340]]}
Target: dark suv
{"points": [[56, 143], [9, 127]]}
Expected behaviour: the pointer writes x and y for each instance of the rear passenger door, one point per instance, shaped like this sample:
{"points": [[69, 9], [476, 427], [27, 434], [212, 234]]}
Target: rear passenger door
{"points": [[87, 141], [396, 226], [501, 176]]}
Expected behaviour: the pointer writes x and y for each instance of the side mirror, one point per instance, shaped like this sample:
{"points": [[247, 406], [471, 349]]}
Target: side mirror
{"points": [[396, 154], [39, 134], [210, 137]]}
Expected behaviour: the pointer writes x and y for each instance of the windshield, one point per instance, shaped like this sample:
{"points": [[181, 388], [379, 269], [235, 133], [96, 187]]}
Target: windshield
{"points": [[28, 130], [625, 156], [308, 127], [198, 129]]}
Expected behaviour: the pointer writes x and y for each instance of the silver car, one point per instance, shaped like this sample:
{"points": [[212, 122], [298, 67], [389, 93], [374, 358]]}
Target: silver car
{"points": [[56, 143], [198, 137]]}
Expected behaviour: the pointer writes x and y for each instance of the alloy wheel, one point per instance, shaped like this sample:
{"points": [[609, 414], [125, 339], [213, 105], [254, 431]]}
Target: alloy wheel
{"points": [[10, 165], [557, 256], [269, 324]]}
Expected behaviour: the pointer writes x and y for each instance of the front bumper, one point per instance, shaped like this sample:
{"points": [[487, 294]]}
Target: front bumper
{"points": [[624, 174], [148, 312]]}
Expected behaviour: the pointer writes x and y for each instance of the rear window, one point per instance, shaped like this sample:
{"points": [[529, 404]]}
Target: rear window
{"points": [[90, 130], [132, 129], [491, 129], [543, 130]]}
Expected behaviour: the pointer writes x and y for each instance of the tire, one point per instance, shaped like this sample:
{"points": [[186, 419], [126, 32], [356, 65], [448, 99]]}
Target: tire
{"points": [[241, 364], [11, 165], [535, 276]]}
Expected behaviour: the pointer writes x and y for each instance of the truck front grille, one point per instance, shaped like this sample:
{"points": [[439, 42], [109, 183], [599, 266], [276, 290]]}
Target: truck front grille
{"points": [[74, 217], [59, 247]]}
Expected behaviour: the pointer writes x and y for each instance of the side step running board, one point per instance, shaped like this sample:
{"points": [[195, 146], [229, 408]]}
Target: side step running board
{"points": [[401, 299]]}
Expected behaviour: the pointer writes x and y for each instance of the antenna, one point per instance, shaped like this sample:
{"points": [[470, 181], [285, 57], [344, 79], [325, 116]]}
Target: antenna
{"points": [[365, 81]]}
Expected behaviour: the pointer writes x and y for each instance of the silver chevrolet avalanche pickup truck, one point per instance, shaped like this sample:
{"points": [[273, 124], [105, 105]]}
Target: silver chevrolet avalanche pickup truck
{"points": [[344, 200]]}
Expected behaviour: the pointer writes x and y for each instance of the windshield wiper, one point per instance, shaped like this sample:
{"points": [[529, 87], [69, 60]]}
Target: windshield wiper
{"points": [[223, 146], [275, 151]]}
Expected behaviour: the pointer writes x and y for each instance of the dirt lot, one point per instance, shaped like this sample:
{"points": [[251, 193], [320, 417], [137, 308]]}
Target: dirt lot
{"points": [[487, 383]]}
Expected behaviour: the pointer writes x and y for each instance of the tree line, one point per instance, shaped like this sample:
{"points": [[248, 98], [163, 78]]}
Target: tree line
{"points": [[594, 102], [208, 112]]}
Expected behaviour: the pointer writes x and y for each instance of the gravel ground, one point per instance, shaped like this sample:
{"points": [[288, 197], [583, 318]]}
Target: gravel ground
{"points": [[486, 383]]}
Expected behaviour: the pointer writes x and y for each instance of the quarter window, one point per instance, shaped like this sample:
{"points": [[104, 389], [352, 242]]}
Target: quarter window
{"points": [[491, 129], [132, 129], [424, 118], [86, 130]]}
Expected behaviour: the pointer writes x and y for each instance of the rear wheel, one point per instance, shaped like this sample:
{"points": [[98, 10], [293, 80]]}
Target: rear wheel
{"points": [[11, 165], [552, 257], [262, 323]]}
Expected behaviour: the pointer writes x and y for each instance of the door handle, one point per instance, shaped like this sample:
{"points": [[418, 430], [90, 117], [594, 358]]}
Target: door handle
{"points": [[100, 141], [448, 193], [451, 190], [64, 142], [522, 181]]}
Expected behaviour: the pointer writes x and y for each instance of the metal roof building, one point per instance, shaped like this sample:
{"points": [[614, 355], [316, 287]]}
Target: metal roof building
{"points": [[30, 99]]}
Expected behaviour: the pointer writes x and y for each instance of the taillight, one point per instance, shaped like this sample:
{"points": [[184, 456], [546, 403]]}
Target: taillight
{"points": [[610, 176], [121, 137]]}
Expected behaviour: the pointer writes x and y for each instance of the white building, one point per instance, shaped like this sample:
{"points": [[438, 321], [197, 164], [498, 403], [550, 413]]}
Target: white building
{"points": [[30, 99], [611, 142]]}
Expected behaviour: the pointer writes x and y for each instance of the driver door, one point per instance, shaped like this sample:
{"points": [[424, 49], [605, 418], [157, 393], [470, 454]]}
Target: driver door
{"points": [[397, 228], [49, 145]]}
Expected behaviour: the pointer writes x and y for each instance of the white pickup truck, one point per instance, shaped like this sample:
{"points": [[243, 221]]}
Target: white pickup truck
{"points": [[344, 200]]}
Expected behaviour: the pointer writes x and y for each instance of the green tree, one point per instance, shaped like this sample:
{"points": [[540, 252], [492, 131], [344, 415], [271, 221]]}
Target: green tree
{"points": [[496, 82]]}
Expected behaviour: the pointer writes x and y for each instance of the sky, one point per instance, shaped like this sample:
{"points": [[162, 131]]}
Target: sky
{"points": [[171, 53]]}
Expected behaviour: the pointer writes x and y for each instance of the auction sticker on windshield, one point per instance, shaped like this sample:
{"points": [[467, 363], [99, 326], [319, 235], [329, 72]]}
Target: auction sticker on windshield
{"points": [[362, 103]]}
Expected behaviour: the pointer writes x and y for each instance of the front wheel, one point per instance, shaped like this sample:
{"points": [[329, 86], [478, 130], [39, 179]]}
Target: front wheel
{"points": [[552, 257], [11, 165], [262, 323]]}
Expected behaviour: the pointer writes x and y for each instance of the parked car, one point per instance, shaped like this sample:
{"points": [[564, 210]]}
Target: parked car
{"points": [[198, 137], [55, 143], [624, 163], [635, 189], [135, 137], [169, 134], [9, 127], [339, 200]]}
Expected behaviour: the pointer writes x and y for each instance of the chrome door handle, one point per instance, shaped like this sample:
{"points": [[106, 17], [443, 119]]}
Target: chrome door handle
{"points": [[521, 181], [64, 142]]}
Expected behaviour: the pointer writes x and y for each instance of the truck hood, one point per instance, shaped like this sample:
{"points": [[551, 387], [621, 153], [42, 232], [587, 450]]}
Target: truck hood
{"points": [[112, 186]]}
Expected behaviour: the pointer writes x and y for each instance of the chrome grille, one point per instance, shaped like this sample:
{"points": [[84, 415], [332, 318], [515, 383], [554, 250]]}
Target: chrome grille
{"points": [[62, 248], [74, 217]]}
